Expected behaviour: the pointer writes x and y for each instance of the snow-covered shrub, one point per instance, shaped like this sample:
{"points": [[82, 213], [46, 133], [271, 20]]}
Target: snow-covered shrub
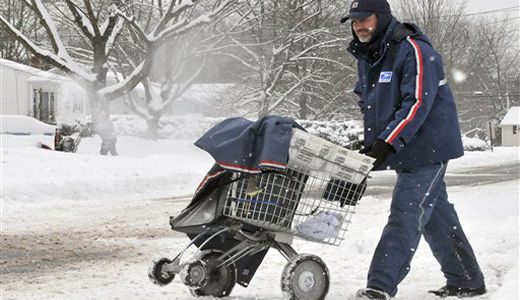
{"points": [[348, 134], [345, 133], [474, 144]]}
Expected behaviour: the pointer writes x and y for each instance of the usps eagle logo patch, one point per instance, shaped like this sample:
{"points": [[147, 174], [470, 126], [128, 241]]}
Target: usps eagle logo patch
{"points": [[354, 4], [385, 77]]}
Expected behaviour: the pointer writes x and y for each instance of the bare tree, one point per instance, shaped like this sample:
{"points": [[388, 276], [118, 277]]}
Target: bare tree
{"points": [[283, 52], [19, 15], [100, 23], [442, 21], [175, 67], [483, 51], [491, 62], [175, 71]]}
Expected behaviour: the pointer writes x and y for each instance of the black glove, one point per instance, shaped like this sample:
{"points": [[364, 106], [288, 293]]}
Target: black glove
{"points": [[379, 150], [345, 192], [364, 150]]}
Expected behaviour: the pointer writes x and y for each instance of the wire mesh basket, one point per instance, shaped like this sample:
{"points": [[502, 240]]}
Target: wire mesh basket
{"points": [[313, 198]]}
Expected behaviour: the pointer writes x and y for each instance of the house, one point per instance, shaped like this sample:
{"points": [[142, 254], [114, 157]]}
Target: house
{"points": [[44, 95], [54, 98], [510, 127]]}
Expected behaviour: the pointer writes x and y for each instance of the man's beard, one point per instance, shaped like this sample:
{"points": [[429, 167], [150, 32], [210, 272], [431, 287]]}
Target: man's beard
{"points": [[368, 37]]}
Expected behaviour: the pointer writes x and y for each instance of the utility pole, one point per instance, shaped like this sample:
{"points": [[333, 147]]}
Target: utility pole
{"points": [[491, 134]]}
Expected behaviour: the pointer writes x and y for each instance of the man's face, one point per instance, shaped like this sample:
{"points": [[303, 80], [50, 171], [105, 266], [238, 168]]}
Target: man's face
{"points": [[364, 29]]}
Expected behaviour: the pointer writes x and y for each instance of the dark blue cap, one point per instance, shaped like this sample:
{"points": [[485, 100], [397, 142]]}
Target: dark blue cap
{"points": [[362, 9]]}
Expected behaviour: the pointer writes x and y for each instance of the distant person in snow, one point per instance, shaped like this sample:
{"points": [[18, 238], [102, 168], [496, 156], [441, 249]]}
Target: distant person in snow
{"points": [[411, 126]]}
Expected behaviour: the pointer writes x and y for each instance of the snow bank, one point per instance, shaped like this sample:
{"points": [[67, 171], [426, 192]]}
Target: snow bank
{"points": [[144, 169], [11, 124], [499, 156]]}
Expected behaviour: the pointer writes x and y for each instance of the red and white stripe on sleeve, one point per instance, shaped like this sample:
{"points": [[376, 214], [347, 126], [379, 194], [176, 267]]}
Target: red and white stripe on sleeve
{"points": [[418, 92]]}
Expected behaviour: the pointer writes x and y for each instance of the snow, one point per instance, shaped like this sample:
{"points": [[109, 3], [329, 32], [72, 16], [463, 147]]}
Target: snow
{"points": [[86, 226], [19, 67], [12, 124], [122, 84], [474, 144], [458, 75], [38, 75], [62, 56], [53, 31], [115, 32]]}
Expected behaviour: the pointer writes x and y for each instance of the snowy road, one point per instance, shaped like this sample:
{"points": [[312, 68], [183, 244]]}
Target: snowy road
{"points": [[40, 252], [113, 249]]}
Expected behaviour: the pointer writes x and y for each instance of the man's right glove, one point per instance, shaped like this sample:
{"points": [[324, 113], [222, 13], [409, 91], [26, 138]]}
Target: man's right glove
{"points": [[364, 150], [379, 150]]}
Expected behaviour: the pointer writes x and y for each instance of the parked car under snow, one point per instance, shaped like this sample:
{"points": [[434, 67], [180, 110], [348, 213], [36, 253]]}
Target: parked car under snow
{"points": [[24, 125]]}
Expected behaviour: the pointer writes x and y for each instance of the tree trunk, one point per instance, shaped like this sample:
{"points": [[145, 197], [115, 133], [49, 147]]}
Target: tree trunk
{"points": [[264, 106], [304, 109]]}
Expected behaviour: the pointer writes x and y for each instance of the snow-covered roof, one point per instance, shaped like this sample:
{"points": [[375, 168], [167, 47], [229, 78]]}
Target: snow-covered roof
{"points": [[19, 67], [512, 117], [37, 74]]}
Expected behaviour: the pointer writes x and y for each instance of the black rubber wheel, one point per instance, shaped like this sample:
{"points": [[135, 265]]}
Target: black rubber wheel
{"points": [[220, 281], [157, 276], [305, 277]]}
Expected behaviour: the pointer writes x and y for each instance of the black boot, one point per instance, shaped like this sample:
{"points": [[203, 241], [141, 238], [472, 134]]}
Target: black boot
{"points": [[449, 290]]}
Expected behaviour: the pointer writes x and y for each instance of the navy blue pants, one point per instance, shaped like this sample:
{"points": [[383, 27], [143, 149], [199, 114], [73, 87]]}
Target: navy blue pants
{"points": [[420, 207]]}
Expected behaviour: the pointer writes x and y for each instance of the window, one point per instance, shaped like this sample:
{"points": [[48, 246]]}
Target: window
{"points": [[35, 104], [52, 108], [515, 129], [44, 105]]}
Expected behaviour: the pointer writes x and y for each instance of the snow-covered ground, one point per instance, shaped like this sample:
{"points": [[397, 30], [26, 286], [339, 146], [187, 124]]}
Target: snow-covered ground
{"points": [[83, 226]]}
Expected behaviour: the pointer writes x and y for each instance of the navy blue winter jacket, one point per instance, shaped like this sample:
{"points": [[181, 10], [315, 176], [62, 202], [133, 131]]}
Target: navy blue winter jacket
{"points": [[406, 100]]}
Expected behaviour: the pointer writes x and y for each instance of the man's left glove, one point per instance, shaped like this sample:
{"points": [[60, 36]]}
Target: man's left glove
{"points": [[380, 150]]}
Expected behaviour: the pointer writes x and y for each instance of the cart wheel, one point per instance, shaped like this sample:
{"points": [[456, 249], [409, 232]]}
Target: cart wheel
{"points": [[220, 282], [157, 276], [305, 277]]}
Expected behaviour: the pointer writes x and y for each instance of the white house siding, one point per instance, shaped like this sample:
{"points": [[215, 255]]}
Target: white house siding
{"points": [[509, 137], [15, 94]]}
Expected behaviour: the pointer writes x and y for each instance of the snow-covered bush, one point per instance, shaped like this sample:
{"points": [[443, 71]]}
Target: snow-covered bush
{"points": [[474, 144], [346, 133]]}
